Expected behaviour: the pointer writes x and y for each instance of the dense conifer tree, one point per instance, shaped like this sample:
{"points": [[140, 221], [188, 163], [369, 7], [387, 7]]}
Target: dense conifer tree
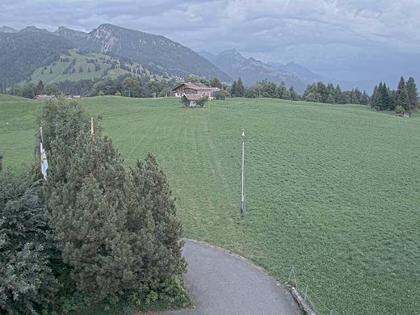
{"points": [[154, 197], [28, 285], [215, 82], [104, 221], [40, 89], [240, 88], [402, 96], [412, 93]]}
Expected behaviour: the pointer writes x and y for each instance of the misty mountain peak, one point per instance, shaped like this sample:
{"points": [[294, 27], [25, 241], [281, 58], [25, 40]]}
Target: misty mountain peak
{"points": [[33, 29], [7, 29]]}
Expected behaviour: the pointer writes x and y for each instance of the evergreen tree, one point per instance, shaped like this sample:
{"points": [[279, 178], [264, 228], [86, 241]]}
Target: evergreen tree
{"points": [[154, 197], [402, 96], [240, 89], [116, 229], [233, 89], [28, 284], [412, 93], [364, 99], [40, 89], [374, 98], [293, 95], [215, 82], [281, 91], [384, 98]]}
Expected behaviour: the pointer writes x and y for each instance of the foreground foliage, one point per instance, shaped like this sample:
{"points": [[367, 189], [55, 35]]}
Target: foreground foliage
{"points": [[27, 282], [116, 229], [95, 235]]}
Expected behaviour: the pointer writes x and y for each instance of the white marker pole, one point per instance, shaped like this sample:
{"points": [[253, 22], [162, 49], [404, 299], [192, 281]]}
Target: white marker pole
{"points": [[243, 209]]}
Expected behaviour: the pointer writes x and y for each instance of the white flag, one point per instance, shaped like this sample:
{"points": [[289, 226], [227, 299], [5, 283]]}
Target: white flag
{"points": [[44, 162]]}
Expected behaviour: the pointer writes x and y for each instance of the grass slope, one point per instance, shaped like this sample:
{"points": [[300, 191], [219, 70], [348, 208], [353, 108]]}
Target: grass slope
{"points": [[17, 129], [332, 190], [76, 66]]}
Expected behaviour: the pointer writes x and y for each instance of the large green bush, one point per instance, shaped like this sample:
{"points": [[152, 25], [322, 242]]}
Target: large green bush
{"points": [[116, 228]]}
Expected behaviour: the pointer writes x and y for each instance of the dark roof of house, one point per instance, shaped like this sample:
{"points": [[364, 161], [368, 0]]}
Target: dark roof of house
{"points": [[195, 86]]}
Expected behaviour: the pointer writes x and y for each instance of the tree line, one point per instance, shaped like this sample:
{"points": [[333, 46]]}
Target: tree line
{"points": [[96, 233], [402, 100], [316, 92], [125, 85]]}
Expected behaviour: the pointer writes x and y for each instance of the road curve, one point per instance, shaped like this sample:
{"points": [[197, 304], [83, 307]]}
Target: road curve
{"points": [[223, 283]]}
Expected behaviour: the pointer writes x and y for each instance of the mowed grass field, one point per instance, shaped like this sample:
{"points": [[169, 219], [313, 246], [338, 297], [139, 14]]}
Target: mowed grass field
{"points": [[332, 190]]}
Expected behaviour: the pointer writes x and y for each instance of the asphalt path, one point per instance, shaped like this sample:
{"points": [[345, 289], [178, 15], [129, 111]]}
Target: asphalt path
{"points": [[223, 283]]}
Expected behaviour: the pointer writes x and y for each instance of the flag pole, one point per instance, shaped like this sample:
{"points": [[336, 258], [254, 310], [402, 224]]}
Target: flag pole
{"points": [[43, 156], [40, 132], [243, 207]]}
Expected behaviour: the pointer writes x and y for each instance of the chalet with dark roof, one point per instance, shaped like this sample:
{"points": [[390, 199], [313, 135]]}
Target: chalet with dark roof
{"points": [[194, 88]]}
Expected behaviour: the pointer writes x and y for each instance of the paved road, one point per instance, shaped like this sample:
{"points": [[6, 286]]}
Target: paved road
{"points": [[221, 283]]}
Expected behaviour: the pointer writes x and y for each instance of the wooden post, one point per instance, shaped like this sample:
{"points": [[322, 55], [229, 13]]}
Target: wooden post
{"points": [[243, 206], [92, 129]]}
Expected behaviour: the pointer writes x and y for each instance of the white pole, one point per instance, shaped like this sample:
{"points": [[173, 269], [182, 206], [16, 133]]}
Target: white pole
{"points": [[242, 175], [42, 137]]}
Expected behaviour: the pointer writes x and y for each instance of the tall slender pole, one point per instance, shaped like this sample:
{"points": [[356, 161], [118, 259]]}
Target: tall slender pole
{"points": [[40, 132], [243, 207]]}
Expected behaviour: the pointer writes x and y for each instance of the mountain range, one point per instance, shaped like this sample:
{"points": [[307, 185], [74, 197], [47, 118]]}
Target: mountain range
{"points": [[24, 52], [251, 70]]}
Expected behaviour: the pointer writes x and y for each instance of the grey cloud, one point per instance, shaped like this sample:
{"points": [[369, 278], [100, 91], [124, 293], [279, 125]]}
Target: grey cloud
{"points": [[311, 32]]}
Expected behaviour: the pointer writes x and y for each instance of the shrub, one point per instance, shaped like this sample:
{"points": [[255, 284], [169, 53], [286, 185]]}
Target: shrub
{"points": [[184, 101], [202, 101], [220, 95], [399, 110], [116, 228]]}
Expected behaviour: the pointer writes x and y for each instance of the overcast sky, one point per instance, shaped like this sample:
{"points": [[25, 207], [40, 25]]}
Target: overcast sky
{"points": [[313, 32]]}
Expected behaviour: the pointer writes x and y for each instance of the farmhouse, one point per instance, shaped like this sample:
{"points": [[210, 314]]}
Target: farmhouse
{"points": [[194, 88]]}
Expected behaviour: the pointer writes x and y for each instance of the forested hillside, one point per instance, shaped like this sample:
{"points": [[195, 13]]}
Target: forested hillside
{"points": [[23, 52]]}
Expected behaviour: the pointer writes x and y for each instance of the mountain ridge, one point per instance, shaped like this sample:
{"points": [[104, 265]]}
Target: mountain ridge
{"points": [[252, 70], [157, 52], [7, 29], [20, 55]]}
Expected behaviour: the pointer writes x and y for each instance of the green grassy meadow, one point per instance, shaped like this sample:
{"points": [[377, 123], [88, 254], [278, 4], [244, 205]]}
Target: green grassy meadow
{"points": [[332, 190], [69, 65]]}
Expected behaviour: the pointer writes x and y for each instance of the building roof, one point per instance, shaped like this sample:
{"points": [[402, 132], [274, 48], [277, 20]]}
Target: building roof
{"points": [[43, 97], [195, 86]]}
